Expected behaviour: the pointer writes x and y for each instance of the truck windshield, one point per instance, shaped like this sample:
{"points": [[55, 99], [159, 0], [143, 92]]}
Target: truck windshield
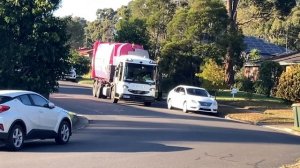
{"points": [[139, 73]]}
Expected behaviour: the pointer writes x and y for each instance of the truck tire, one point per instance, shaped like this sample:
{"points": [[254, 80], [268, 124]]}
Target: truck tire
{"points": [[98, 93], [95, 88], [113, 98], [147, 103]]}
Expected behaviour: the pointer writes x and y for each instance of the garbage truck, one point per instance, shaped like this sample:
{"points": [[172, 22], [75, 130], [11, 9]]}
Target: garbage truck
{"points": [[123, 71]]}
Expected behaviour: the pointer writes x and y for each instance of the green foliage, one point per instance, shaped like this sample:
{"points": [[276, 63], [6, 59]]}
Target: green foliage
{"points": [[212, 75], [75, 28], [178, 65], [269, 73], [132, 31], [33, 48], [244, 84], [254, 54], [157, 14], [289, 84], [80, 63], [103, 28], [276, 21]]}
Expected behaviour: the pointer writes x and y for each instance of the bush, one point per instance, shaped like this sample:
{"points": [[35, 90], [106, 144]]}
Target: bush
{"points": [[80, 63], [269, 73], [212, 76], [244, 84], [260, 88], [289, 84]]}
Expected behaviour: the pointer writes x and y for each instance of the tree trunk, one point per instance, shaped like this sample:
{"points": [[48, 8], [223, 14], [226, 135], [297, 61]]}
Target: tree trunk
{"points": [[231, 10]]}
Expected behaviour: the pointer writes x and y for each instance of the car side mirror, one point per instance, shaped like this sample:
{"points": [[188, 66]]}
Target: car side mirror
{"points": [[51, 105], [212, 96], [182, 93]]}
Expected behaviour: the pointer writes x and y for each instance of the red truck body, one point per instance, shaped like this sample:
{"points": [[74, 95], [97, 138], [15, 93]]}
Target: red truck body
{"points": [[104, 57]]}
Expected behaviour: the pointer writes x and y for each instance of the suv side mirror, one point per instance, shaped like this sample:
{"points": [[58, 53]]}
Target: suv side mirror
{"points": [[50, 105]]}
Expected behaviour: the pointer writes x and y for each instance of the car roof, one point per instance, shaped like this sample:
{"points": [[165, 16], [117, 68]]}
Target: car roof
{"points": [[187, 86], [14, 93]]}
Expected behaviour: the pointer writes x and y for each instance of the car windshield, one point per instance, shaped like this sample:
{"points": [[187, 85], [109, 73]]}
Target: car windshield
{"points": [[197, 92], [4, 99], [139, 73]]}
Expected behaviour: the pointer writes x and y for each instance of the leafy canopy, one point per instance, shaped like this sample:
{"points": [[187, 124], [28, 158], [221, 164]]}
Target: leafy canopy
{"points": [[33, 48]]}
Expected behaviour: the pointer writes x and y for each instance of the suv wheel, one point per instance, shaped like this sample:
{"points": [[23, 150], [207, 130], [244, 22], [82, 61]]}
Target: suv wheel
{"points": [[15, 138], [64, 133]]}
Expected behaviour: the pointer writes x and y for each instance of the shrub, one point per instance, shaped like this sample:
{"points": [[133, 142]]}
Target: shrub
{"points": [[212, 76], [80, 63], [269, 73], [245, 84], [289, 84]]}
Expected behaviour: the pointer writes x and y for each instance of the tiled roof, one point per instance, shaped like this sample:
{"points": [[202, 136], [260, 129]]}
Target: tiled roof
{"points": [[265, 49]]}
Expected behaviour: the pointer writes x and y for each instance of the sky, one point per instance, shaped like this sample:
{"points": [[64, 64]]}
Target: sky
{"points": [[87, 8]]}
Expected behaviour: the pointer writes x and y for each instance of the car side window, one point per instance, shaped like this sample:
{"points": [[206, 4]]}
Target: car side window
{"points": [[182, 90], [177, 90], [25, 100], [38, 100]]}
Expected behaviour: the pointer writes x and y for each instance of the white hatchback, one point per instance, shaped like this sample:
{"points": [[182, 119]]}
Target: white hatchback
{"points": [[28, 115], [190, 98]]}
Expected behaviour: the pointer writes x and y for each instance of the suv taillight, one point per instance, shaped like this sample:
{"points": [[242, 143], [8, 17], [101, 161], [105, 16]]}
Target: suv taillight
{"points": [[4, 108]]}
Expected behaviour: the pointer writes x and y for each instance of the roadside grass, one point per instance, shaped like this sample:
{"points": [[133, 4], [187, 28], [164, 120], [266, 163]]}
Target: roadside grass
{"points": [[294, 165], [255, 108], [85, 81], [251, 101]]}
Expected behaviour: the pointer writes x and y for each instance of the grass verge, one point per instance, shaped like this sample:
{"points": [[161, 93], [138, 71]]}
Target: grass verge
{"points": [[85, 81], [294, 165], [284, 116]]}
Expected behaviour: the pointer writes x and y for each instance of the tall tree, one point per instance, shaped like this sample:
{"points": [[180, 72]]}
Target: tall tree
{"points": [[232, 33], [194, 34], [75, 28], [33, 48], [103, 27], [157, 14], [132, 31]]}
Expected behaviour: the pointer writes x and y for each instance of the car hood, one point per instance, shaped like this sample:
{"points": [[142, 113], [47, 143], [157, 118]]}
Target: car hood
{"points": [[202, 99]]}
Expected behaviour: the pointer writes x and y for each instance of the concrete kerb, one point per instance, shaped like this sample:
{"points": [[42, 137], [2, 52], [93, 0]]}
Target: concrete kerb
{"points": [[80, 122], [279, 128]]}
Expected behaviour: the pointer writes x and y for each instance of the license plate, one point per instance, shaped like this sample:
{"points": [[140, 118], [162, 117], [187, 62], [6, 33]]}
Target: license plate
{"points": [[126, 97]]}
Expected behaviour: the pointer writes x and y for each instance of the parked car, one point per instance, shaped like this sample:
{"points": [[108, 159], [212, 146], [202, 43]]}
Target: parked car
{"points": [[71, 75], [28, 115], [190, 98]]}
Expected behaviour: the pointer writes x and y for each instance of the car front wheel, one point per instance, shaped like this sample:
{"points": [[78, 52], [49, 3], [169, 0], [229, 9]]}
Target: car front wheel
{"points": [[16, 138], [169, 104], [64, 133], [184, 108]]}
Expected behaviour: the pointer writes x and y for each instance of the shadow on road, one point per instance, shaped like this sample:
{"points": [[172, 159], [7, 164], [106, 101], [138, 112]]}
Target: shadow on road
{"points": [[134, 128]]}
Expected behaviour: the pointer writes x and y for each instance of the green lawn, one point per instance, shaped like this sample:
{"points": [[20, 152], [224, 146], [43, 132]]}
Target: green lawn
{"points": [[251, 101], [85, 81]]}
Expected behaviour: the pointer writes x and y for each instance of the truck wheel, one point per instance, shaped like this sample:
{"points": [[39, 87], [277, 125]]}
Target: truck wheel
{"points": [[147, 103], [98, 93], [113, 98], [95, 88]]}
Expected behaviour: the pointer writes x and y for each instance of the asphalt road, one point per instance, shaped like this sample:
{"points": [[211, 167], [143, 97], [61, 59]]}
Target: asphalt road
{"points": [[129, 135]]}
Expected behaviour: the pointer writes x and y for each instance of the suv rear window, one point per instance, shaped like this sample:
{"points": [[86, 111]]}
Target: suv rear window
{"points": [[4, 99]]}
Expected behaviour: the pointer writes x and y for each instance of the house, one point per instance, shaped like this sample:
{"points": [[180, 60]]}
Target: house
{"points": [[267, 51], [86, 52]]}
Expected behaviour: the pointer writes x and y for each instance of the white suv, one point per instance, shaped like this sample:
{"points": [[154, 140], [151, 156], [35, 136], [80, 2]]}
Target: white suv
{"points": [[28, 115]]}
